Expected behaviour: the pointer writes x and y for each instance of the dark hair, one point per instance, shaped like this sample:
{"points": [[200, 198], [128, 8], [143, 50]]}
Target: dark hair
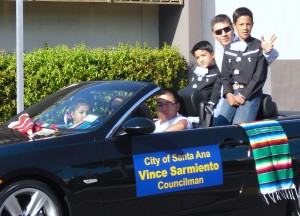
{"points": [[242, 11], [123, 98], [220, 18], [77, 103], [171, 91], [202, 45], [115, 97]]}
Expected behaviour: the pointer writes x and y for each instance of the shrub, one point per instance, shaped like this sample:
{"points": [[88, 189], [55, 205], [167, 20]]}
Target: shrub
{"points": [[50, 69]]}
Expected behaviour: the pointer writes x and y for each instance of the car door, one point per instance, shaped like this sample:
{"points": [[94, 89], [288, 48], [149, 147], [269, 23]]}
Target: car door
{"points": [[121, 195]]}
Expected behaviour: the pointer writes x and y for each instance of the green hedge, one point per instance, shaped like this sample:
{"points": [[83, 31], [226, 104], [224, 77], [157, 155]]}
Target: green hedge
{"points": [[50, 69]]}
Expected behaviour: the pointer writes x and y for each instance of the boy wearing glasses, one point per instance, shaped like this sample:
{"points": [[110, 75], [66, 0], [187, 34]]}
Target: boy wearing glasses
{"points": [[206, 77], [167, 106], [244, 72]]}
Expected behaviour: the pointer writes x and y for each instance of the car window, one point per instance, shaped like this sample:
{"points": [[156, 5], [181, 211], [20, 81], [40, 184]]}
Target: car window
{"points": [[98, 100]]}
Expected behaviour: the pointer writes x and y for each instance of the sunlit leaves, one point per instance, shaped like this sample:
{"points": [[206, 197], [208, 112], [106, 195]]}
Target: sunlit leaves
{"points": [[50, 69]]}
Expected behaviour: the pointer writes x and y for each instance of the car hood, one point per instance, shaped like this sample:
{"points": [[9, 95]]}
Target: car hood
{"points": [[10, 136]]}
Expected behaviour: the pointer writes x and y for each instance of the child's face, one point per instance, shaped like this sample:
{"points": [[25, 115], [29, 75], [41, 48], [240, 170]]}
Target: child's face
{"points": [[243, 27], [80, 113], [205, 58]]}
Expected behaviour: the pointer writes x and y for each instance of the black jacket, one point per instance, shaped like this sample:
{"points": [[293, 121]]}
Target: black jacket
{"points": [[249, 68], [209, 85]]}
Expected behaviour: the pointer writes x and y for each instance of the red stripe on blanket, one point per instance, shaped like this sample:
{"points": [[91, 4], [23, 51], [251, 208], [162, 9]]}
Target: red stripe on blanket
{"points": [[23, 122], [274, 167], [24, 125], [267, 143]]}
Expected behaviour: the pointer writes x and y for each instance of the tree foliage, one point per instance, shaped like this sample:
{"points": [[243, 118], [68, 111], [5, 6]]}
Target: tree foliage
{"points": [[49, 69]]}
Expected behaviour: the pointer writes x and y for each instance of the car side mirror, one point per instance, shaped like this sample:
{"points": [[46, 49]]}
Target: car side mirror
{"points": [[138, 125]]}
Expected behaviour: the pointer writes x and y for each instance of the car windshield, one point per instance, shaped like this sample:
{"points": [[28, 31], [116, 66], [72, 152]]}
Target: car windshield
{"points": [[86, 107]]}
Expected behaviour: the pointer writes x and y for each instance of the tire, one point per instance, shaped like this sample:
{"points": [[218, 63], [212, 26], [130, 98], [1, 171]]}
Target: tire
{"points": [[29, 197]]}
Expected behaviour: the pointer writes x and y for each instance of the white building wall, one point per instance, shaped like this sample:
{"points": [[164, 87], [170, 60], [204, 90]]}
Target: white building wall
{"points": [[95, 24], [188, 28]]}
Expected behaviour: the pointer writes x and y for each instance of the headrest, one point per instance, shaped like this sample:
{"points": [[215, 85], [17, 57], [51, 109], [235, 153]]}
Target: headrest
{"points": [[190, 100], [143, 111], [268, 108]]}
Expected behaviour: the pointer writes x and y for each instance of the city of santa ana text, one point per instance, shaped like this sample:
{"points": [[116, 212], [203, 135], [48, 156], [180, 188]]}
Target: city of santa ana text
{"points": [[176, 170]]}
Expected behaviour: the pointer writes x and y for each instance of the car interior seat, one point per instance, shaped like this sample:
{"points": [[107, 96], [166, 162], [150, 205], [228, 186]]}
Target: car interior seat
{"points": [[190, 100], [192, 104], [142, 111], [267, 109]]}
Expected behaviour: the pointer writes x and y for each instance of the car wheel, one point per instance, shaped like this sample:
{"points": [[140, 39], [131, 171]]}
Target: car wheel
{"points": [[29, 197]]}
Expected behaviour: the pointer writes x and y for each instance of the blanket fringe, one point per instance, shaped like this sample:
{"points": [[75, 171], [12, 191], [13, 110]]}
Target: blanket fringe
{"points": [[288, 194], [266, 199]]}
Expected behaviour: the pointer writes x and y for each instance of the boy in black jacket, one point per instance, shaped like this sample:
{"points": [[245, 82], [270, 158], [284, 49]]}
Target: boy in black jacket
{"points": [[244, 72], [206, 76]]}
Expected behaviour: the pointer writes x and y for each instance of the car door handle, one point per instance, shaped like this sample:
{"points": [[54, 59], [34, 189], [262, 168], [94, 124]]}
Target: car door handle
{"points": [[90, 181], [231, 143]]}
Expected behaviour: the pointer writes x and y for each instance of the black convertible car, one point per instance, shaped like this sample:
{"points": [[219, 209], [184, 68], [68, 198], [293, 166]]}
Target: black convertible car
{"points": [[112, 163]]}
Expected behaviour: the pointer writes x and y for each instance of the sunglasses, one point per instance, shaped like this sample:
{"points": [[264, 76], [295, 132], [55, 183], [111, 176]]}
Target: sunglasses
{"points": [[226, 30]]}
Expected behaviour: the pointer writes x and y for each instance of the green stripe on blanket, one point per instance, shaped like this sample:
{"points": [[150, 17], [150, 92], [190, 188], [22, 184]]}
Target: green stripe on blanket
{"points": [[255, 131], [272, 150], [273, 162], [275, 176]]}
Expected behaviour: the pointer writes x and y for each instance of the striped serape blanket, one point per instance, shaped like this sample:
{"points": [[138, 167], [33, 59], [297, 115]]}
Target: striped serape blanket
{"points": [[30, 128], [273, 162]]}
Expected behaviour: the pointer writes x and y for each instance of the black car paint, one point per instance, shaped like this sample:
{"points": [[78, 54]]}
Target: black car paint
{"points": [[94, 172]]}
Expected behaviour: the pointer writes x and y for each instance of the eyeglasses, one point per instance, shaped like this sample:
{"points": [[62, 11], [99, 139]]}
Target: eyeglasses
{"points": [[168, 105], [226, 30]]}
